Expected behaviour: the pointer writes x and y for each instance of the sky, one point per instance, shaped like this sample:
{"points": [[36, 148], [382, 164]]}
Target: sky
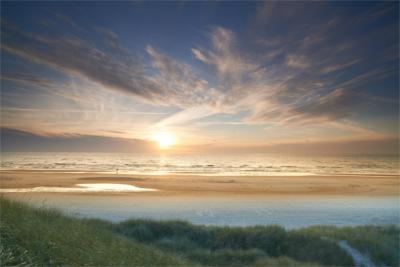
{"points": [[205, 76]]}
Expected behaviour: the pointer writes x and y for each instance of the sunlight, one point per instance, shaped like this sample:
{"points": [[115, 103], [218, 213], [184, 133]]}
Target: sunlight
{"points": [[165, 140]]}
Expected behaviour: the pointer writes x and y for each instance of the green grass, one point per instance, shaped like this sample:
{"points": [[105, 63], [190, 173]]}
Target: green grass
{"points": [[41, 236], [237, 245], [31, 236], [381, 243]]}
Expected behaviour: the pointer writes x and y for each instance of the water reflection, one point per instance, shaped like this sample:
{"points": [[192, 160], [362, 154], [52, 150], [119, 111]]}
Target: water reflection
{"points": [[81, 188]]}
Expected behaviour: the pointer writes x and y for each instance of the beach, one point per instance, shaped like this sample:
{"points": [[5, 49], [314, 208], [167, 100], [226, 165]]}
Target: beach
{"points": [[197, 185], [290, 201]]}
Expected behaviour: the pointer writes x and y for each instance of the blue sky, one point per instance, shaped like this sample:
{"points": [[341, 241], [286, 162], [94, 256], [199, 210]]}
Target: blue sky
{"points": [[226, 75]]}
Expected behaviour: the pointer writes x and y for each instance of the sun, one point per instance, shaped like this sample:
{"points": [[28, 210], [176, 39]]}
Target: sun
{"points": [[165, 140]]}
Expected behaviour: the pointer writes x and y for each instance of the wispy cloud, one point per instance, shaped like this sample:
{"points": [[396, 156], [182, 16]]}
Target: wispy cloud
{"points": [[79, 57], [16, 140], [181, 87], [186, 116], [303, 76], [224, 54]]}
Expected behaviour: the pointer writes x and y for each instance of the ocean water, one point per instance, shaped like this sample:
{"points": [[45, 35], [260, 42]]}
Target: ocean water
{"points": [[243, 164]]}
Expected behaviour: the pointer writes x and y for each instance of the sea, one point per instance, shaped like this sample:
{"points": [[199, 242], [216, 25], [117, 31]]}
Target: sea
{"points": [[219, 164]]}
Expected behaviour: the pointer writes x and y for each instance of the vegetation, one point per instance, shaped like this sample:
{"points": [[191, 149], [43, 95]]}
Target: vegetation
{"points": [[45, 237], [381, 243], [32, 236], [234, 245]]}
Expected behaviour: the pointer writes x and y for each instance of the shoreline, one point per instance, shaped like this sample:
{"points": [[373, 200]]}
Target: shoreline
{"points": [[205, 174]]}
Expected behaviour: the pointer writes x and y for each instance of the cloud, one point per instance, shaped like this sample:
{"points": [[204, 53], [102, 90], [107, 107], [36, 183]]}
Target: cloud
{"points": [[186, 116], [311, 69], [181, 86], [80, 57], [66, 19], [111, 38], [223, 55], [27, 78], [339, 66], [362, 146], [72, 106], [299, 63], [174, 84], [333, 106], [200, 56], [20, 141]]}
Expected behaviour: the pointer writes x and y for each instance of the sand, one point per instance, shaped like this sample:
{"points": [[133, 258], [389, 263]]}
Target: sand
{"points": [[192, 185]]}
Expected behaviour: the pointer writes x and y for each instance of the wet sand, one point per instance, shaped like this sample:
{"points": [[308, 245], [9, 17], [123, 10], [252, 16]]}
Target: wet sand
{"points": [[192, 185]]}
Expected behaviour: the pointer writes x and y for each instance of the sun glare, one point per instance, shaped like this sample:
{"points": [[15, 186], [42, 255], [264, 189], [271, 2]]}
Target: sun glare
{"points": [[165, 140]]}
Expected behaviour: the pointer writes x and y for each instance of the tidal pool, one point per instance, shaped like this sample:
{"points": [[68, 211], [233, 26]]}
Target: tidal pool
{"points": [[80, 188]]}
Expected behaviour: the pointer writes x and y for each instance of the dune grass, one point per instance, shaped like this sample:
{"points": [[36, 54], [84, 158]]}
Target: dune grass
{"points": [[41, 236], [380, 243], [45, 237], [240, 246]]}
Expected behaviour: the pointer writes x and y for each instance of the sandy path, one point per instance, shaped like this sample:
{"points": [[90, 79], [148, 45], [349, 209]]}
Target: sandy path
{"points": [[358, 258]]}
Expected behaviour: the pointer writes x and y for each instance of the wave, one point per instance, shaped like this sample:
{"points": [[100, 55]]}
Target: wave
{"points": [[258, 164]]}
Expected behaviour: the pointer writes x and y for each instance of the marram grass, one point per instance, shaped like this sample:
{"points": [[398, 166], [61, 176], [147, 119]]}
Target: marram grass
{"points": [[45, 237]]}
